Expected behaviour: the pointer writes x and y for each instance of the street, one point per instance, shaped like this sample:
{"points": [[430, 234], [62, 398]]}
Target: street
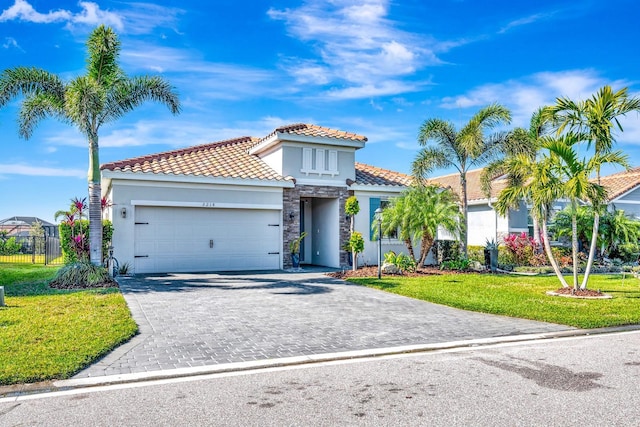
{"points": [[582, 381]]}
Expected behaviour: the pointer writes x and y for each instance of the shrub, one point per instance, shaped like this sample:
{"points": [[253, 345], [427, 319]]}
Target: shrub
{"points": [[446, 250], [460, 264], [82, 275], [10, 246], [475, 253], [522, 247], [627, 252], [404, 262]]}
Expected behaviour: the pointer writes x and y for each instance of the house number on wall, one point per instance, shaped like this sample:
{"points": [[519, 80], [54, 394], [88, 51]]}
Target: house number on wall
{"points": [[208, 204]]}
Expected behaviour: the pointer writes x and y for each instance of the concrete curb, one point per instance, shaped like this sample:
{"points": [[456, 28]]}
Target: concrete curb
{"points": [[13, 393]]}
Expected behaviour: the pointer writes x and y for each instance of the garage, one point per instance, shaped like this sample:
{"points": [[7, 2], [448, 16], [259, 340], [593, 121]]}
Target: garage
{"points": [[182, 239]]}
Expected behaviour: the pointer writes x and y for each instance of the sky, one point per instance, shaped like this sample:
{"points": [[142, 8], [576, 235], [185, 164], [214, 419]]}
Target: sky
{"points": [[374, 67]]}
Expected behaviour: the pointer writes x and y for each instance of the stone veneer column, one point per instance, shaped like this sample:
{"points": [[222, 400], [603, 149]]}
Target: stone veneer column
{"points": [[291, 227]]}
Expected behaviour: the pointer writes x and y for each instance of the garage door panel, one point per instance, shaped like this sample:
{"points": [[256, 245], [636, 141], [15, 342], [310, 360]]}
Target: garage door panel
{"points": [[178, 239]]}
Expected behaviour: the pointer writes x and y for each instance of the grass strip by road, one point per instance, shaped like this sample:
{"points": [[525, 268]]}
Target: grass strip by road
{"points": [[522, 296], [48, 333]]}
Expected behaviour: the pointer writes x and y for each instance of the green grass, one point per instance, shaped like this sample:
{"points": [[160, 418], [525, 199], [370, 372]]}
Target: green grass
{"points": [[27, 259], [523, 296], [51, 334]]}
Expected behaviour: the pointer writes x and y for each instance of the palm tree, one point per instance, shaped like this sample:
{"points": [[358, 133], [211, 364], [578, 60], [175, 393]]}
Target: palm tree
{"points": [[519, 142], [575, 174], [395, 219], [532, 179], [431, 207], [597, 117], [418, 213], [461, 149], [102, 95]]}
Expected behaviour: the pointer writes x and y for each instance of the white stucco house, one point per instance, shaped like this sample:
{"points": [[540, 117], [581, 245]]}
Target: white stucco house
{"points": [[236, 204], [623, 192]]}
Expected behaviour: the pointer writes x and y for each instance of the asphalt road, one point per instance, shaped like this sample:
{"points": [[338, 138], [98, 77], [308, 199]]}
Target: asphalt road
{"points": [[583, 381]]}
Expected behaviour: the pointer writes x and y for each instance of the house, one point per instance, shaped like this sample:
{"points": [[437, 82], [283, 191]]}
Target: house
{"points": [[236, 204], [21, 226], [623, 192]]}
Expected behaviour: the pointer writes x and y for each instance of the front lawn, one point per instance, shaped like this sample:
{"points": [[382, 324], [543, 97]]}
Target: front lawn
{"points": [[522, 296], [48, 333]]}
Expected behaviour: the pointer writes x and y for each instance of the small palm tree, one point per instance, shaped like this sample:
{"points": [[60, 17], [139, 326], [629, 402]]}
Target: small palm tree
{"points": [[463, 149], [104, 94], [418, 213]]}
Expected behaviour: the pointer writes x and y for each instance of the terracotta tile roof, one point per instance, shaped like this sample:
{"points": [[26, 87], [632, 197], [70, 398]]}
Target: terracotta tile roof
{"points": [[620, 183], [371, 175], [304, 129], [474, 186], [224, 159]]}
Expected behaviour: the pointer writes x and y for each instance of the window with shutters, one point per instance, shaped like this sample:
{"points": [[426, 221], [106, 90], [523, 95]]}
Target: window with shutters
{"points": [[319, 161]]}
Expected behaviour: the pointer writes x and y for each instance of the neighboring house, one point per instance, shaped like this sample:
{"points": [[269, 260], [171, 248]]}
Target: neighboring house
{"points": [[236, 204], [623, 191], [21, 226]]}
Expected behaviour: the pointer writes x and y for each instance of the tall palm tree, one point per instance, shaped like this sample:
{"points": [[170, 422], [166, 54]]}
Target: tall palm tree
{"points": [[519, 142], [461, 149], [532, 178], [104, 94], [598, 118], [575, 174]]}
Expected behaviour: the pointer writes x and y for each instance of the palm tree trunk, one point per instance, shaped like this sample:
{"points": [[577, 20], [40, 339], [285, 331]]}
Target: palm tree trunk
{"points": [[552, 260], [409, 246], [465, 213], [425, 246], [592, 249], [95, 211], [574, 244]]}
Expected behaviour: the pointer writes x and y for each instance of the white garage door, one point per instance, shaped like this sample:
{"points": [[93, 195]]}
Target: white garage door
{"points": [[170, 239]]}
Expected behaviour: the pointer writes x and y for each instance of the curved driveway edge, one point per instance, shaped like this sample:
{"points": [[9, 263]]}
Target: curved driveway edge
{"points": [[197, 320]]}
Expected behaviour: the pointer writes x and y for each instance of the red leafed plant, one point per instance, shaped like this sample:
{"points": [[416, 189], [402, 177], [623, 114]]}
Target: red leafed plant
{"points": [[522, 247]]}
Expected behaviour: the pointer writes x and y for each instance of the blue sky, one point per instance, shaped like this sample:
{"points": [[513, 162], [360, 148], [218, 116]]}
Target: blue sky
{"points": [[375, 67]]}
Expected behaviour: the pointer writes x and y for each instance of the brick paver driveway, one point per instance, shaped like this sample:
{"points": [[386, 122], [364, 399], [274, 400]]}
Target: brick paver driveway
{"points": [[206, 319]]}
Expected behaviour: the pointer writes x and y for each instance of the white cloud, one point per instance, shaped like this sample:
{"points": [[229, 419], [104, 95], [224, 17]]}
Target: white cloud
{"points": [[527, 20], [91, 15], [525, 95], [11, 43], [137, 18], [29, 170], [207, 79], [359, 52], [23, 11]]}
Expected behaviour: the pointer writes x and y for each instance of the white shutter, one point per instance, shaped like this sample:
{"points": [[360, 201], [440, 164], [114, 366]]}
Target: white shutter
{"points": [[319, 160], [333, 162]]}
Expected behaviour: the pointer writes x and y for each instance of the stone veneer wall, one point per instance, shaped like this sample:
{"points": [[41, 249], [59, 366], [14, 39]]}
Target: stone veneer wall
{"points": [[291, 227]]}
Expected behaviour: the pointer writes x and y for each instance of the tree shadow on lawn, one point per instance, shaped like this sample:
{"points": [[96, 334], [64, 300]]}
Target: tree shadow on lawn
{"points": [[164, 283]]}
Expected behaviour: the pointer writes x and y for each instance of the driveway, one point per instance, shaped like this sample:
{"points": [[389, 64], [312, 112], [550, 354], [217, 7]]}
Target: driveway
{"points": [[189, 320]]}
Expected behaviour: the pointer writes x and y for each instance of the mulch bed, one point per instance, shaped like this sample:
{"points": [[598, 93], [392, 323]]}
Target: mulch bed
{"points": [[580, 293]]}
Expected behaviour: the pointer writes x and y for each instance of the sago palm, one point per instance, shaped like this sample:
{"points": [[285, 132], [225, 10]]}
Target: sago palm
{"points": [[461, 149], [104, 94]]}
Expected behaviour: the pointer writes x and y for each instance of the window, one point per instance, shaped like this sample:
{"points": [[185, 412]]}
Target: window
{"points": [[319, 161], [375, 203]]}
